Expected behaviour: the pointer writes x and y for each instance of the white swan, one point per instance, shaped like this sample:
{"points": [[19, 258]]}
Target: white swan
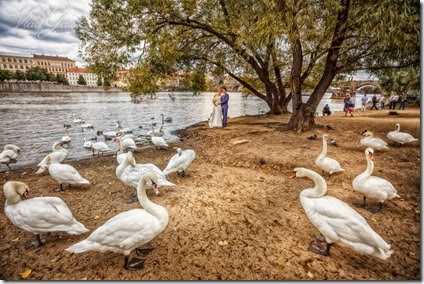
{"points": [[127, 143], [64, 174], [124, 130], [337, 221], [9, 154], [109, 134], [400, 137], [66, 138], [130, 229], [78, 120], [87, 144], [87, 125], [38, 215], [375, 143], [155, 132], [159, 142], [100, 147], [168, 119], [327, 164], [121, 155], [373, 187], [60, 155], [180, 161], [129, 172]]}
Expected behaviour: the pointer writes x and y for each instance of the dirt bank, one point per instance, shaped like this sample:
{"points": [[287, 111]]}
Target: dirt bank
{"points": [[233, 217]]}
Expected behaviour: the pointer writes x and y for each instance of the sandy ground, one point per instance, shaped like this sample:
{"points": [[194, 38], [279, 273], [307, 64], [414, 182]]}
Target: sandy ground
{"points": [[231, 217]]}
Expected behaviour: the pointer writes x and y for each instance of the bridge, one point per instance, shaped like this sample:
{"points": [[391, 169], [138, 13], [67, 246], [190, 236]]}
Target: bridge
{"points": [[354, 85]]}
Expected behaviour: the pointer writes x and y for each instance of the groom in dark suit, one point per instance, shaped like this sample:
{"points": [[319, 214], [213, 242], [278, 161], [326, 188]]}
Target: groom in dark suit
{"points": [[224, 105]]}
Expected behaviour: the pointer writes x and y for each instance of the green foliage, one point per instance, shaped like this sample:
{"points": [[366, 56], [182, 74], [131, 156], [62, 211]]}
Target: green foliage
{"points": [[274, 48], [5, 75], [61, 79], [81, 80], [404, 80], [143, 81], [19, 75], [195, 82], [37, 74]]}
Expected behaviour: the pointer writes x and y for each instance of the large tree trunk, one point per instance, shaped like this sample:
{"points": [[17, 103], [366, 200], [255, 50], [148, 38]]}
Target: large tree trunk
{"points": [[303, 119]]}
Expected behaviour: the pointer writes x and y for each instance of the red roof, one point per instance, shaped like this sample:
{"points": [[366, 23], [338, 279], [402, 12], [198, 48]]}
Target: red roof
{"points": [[49, 57], [79, 70]]}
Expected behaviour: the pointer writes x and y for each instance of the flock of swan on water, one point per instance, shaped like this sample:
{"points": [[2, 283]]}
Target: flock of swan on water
{"points": [[134, 229]]}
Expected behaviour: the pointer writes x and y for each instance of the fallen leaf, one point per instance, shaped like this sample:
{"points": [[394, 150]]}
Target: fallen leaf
{"points": [[84, 278], [281, 266], [26, 273], [374, 219], [15, 240], [310, 275], [96, 217]]}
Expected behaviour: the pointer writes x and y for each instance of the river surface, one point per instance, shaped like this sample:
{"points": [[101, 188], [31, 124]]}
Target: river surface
{"points": [[34, 121]]}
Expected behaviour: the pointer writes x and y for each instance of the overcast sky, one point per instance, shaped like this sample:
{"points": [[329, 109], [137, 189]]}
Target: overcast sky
{"points": [[47, 26], [41, 26]]}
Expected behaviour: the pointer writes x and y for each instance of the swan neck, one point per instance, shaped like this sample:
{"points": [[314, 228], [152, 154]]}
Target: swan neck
{"points": [[370, 166], [121, 146], [54, 147], [324, 148], [318, 190], [121, 168], [12, 197], [156, 210]]}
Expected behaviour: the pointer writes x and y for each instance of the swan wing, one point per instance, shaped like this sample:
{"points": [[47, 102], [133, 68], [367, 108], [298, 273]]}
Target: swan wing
{"points": [[121, 233], [338, 222], [66, 173], [180, 162], [44, 214]]}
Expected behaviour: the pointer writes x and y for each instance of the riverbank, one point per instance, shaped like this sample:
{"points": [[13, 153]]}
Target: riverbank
{"points": [[48, 87], [236, 214]]}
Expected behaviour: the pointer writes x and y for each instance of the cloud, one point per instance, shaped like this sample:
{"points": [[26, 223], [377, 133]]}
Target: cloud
{"points": [[39, 26]]}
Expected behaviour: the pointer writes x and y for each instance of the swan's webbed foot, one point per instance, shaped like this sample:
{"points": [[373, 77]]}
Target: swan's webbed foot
{"points": [[360, 205], [181, 173], [134, 264], [377, 210], [59, 189], [38, 242], [319, 250], [132, 199]]}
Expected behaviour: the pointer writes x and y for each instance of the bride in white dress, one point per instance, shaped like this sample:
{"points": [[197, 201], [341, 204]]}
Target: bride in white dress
{"points": [[215, 119]]}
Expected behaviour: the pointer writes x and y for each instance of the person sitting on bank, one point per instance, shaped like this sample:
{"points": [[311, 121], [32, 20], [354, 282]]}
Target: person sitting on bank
{"points": [[326, 110], [350, 108]]}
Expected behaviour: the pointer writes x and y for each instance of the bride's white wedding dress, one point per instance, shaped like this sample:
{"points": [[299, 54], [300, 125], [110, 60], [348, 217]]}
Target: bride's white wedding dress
{"points": [[216, 115]]}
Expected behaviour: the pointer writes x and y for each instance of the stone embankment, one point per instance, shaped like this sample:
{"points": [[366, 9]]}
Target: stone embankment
{"points": [[48, 87]]}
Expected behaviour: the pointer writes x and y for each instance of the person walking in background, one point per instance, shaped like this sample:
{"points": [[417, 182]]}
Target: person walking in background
{"points": [[224, 105], [374, 102], [393, 100], [402, 101], [364, 101], [326, 110], [345, 101], [382, 101], [350, 108]]}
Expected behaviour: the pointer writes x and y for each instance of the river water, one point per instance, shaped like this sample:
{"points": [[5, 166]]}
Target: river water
{"points": [[34, 121]]}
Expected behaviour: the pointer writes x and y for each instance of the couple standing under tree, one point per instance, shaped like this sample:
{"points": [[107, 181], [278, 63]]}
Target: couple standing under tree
{"points": [[219, 113]]}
